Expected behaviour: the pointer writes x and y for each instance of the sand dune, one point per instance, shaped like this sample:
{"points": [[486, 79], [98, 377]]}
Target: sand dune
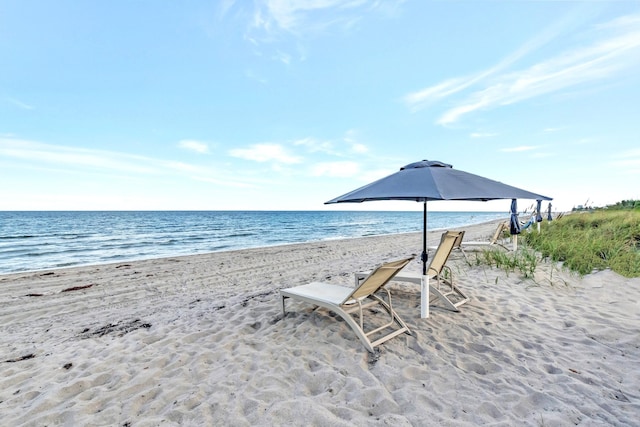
{"points": [[201, 340]]}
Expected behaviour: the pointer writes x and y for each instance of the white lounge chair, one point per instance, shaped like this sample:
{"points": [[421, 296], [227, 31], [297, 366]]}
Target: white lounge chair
{"points": [[344, 301], [496, 239]]}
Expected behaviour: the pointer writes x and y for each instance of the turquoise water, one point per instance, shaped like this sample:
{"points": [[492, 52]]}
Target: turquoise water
{"points": [[42, 240]]}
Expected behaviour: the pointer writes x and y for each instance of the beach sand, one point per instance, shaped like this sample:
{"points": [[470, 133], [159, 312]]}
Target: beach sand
{"points": [[201, 340]]}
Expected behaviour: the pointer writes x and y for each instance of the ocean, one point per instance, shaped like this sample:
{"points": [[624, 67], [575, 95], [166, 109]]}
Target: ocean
{"points": [[31, 241]]}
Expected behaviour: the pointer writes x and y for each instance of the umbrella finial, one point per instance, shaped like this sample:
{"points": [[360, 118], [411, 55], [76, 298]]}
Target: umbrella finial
{"points": [[427, 164]]}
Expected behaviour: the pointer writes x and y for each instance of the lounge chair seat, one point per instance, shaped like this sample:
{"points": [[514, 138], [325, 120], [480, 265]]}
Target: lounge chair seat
{"points": [[345, 300]]}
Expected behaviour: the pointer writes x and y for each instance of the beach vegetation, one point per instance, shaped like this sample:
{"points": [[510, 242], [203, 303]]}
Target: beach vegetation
{"points": [[596, 240], [525, 261], [584, 241]]}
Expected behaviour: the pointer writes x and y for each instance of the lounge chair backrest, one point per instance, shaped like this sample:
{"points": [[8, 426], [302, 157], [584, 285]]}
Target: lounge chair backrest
{"points": [[459, 236], [447, 242], [501, 227], [378, 278]]}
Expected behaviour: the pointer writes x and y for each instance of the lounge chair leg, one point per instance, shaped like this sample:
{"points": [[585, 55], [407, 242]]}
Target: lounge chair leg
{"points": [[283, 312]]}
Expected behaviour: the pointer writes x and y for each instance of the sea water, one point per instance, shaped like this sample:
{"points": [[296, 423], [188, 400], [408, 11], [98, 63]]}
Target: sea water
{"points": [[42, 240]]}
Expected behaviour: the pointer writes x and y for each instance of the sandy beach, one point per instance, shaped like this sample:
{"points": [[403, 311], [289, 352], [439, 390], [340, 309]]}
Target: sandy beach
{"points": [[201, 340]]}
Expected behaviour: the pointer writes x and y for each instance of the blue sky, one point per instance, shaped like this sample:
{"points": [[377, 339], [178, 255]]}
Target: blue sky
{"points": [[287, 104]]}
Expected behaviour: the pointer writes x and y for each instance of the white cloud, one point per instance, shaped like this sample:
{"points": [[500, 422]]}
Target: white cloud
{"points": [[265, 153], [314, 145], [252, 75], [627, 161], [519, 149], [329, 147], [419, 99], [20, 104], [192, 145], [482, 135], [283, 57], [602, 59], [65, 157], [41, 156], [294, 16], [344, 169], [359, 148], [423, 97], [617, 49], [273, 18]]}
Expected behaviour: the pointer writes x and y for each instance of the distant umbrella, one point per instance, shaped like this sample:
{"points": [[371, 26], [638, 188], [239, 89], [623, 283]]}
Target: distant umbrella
{"points": [[538, 213], [433, 180], [538, 210], [514, 224], [549, 217]]}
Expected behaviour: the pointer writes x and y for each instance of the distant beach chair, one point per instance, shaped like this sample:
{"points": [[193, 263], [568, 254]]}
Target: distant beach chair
{"points": [[457, 244], [496, 239], [441, 285], [529, 223], [344, 301]]}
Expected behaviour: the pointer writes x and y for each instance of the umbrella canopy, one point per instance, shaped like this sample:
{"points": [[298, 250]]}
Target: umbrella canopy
{"points": [[433, 180]]}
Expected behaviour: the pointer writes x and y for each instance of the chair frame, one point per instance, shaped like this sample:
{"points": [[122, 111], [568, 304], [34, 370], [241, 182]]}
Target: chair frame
{"points": [[448, 241], [344, 301]]}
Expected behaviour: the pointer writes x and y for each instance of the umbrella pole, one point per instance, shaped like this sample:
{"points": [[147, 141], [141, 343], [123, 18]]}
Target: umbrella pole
{"points": [[424, 283]]}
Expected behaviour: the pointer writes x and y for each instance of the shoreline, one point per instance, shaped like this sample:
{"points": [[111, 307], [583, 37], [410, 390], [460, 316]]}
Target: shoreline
{"points": [[74, 241], [200, 339], [433, 234]]}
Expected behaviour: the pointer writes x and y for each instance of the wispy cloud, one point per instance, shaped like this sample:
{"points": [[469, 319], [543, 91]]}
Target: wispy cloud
{"points": [[616, 48], [334, 148], [193, 145], [266, 152], [357, 147], [518, 149], [39, 155], [424, 97], [314, 145], [20, 104], [252, 75], [275, 20], [627, 162], [304, 16], [483, 135], [65, 157], [345, 169]]}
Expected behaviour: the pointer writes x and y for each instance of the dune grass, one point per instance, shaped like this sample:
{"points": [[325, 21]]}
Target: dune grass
{"points": [[594, 240], [524, 260]]}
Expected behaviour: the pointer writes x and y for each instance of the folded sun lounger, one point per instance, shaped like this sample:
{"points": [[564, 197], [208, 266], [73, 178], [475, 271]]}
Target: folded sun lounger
{"points": [[344, 301]]}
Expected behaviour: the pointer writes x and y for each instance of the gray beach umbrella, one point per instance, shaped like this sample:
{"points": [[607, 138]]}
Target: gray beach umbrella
{"points": [[549, 216], [426, 180]]}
